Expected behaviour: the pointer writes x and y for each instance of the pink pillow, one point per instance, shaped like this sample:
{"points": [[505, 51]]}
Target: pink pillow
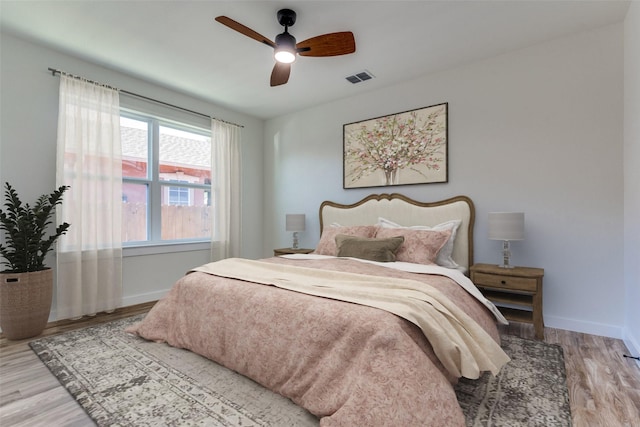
{"points": [[327, 244], [420, 246]]}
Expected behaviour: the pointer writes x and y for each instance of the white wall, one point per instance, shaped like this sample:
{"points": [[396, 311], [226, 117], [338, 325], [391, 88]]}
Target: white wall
{"points": [[632, 175], [28, 123], [538, 130]]}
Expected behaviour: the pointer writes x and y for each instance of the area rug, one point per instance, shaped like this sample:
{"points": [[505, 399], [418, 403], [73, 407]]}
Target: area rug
{"points": [[122, 380], [531, 390]]}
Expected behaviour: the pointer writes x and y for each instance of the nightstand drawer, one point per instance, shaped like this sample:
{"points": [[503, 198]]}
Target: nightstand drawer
{"points": [[506, 282]]}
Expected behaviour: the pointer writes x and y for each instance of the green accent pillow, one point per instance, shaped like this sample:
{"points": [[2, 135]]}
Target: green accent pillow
{"points": [[381, 250]]}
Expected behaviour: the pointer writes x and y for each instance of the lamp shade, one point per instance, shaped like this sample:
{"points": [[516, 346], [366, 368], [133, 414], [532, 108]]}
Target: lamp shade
{"points": [[506, 225], [295, 222]]}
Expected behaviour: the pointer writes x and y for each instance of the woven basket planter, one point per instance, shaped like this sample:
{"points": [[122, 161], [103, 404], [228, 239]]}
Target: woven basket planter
{"points": [[25, 303]]}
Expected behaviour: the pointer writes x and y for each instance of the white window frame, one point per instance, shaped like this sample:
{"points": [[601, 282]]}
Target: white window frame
{"points": [[154, 242], [180, 190]]}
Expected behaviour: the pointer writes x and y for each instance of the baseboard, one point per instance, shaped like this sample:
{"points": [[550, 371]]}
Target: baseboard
{"points": [[585, 327], [632, 344], [142, 298], [127, 300]]}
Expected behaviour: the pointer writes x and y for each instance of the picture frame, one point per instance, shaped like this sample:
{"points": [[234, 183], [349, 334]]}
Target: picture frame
{"points": [[405, 148]]}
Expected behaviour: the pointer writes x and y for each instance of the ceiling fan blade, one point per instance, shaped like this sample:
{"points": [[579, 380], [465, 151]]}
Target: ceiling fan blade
{"points": [[280, 74], [244, 30], [331, 44]]}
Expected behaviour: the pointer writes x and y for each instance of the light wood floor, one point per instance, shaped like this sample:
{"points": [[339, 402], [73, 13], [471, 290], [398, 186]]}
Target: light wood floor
{"points": [[604, 387]]}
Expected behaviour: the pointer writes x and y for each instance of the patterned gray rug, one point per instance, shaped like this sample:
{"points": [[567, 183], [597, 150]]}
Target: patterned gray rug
{"points": [[122, 380], [531, 390]]}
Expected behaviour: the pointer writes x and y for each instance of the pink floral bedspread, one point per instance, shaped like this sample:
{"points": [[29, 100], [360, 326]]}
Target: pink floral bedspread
{"points": [[350, 365]]}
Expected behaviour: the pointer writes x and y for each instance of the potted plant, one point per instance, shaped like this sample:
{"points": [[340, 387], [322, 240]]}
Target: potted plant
{"points": [[26, 284]]}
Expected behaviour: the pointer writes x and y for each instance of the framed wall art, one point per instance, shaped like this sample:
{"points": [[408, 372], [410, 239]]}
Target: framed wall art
{"points": [[398, 149]]}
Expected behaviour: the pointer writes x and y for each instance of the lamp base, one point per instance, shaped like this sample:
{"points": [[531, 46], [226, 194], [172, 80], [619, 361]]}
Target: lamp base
{"points": [[506, 255], [295, 240]]}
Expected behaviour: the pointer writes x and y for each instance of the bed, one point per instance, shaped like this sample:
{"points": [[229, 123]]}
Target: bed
{"points": [[372, 329]]}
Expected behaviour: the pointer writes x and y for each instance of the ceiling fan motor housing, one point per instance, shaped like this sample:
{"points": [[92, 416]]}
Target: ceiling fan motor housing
{"points": [[286, 40]]}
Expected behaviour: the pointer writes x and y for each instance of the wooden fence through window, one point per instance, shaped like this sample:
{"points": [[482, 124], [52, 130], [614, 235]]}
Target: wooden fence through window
{"points": [[178, 222]]}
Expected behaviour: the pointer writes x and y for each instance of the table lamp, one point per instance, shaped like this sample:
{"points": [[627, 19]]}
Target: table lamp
{"points": [[295, 223], [506, 226]]}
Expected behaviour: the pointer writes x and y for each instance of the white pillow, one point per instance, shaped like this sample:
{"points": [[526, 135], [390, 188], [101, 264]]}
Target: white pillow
{"points": [[444, 258]]}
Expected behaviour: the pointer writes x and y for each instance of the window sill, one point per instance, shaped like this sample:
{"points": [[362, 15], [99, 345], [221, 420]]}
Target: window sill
{"points": [[164, 248]]}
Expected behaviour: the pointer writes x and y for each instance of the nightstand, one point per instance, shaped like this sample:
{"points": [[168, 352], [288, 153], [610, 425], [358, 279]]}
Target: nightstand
{"points": [[288, 251], [517, 291]]}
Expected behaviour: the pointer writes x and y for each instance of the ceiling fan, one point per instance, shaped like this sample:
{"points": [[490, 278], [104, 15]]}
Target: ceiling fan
{"points": [[286, 49]]}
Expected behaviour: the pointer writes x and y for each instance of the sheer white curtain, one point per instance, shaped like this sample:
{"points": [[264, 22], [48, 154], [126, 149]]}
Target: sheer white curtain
{"points": [[225, 189], [89, 160]]}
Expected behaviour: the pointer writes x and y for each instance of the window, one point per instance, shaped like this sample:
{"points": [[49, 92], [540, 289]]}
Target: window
{"points": [[178, 196], [166, 181]]}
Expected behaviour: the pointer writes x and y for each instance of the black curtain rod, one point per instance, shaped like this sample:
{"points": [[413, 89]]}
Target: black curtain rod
{"points": [[146, 98]]}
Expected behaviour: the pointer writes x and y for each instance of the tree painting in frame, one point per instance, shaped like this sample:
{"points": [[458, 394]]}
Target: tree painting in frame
{"points": [[398, 149]]}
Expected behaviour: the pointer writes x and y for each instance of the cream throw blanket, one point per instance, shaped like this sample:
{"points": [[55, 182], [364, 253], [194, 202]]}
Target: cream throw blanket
{"points": [[462, 346]]}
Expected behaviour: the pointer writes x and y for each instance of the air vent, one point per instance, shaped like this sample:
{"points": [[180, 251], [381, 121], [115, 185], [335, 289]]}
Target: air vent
{"points": [[360, 77]]}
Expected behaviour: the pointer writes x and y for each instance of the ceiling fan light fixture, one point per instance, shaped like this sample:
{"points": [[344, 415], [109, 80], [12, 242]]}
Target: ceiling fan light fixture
{"points": [[284, 55], [285, 50]]}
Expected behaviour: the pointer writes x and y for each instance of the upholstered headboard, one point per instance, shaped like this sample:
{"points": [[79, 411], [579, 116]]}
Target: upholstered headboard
{"points": [[408, 212]]}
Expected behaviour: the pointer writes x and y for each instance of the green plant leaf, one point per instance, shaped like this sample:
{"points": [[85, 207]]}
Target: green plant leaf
{"points": [[25, 227]]}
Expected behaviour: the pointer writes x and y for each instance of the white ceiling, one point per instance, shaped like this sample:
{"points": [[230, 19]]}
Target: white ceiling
{"points": [[178, 44]]}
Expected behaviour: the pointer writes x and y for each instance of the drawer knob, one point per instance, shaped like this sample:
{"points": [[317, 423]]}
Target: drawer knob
{"points": [[504, 282]]}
